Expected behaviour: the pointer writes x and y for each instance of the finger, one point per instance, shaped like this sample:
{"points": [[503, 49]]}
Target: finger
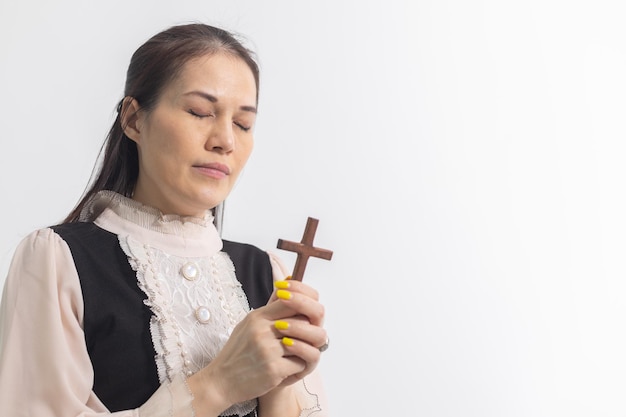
{"points": [[298, 286], [291, 304], [309, 355], [300, 329], [295, 286], [253, 354], [292, 365]]}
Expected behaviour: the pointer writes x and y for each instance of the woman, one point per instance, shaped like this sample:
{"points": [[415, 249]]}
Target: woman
{"points": [[135, 306]]}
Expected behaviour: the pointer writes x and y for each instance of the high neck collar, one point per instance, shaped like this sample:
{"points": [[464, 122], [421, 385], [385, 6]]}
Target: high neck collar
{"points": [[178, 235]]}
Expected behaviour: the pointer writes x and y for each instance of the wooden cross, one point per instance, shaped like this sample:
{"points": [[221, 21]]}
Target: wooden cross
{"points": [[304, 249]]}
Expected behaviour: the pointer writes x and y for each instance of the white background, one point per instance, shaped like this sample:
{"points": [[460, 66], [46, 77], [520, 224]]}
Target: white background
{"points": [[465, 159]]}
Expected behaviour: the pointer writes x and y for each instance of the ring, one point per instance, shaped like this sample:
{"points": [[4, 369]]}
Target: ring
{"points": [[324, 346]]}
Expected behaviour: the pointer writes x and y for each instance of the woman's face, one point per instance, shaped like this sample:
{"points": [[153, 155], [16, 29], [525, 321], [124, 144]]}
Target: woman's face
{"points": [[195, 142]]}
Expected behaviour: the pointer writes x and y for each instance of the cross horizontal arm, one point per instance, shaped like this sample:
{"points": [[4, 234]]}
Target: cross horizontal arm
{"points": [[305, 249]]}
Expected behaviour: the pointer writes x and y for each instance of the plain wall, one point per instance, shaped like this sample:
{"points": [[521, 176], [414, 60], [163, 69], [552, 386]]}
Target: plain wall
{"points": [[465, 160]]}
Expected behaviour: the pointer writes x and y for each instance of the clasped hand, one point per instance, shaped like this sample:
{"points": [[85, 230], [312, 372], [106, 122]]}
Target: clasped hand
{"points": [[273, 346]]}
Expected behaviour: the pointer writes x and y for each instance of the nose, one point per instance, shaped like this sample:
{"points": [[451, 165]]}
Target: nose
{"points": [[221, 138]]}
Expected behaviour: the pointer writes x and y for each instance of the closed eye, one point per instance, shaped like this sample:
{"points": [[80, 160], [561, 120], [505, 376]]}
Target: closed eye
{"points": [[242, 127], [199, 116]]}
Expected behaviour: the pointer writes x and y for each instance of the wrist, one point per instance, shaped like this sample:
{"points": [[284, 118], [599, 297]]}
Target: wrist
{"points": [[281, 401], [207, 398]]}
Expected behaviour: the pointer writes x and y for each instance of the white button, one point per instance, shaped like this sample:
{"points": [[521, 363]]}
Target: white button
{"points": [[203, 314], [190, 271]]}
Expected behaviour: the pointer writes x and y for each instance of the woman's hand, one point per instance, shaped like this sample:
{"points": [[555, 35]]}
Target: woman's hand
{"points": [[273, 346], [302, 332]]}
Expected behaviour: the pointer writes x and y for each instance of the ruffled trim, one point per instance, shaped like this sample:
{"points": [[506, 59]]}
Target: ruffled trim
{"points": [[140, 214], [176, 235], [177, 290]]}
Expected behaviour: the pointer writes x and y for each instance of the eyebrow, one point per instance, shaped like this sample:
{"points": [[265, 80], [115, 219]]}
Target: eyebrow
{"points": [[213, 99]]}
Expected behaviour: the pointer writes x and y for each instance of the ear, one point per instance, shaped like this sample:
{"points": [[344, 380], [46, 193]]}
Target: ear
{"points": [[131, 118]]}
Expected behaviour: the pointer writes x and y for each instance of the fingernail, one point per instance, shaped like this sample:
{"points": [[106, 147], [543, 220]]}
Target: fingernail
{"points": [[288, 277], [283, 294], [281, 325], [287, 341], [281, 284]]}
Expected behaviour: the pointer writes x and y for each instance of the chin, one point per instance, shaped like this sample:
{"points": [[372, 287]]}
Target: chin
{"points": [[207, 203]]}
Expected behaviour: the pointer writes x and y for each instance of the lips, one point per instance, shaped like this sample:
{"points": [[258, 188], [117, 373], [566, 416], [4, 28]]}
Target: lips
{"points": [[214, 169]]}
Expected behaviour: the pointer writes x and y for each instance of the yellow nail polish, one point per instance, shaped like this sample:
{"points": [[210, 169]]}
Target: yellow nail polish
{"points": [[281, 325], [283, 294], [288, 278], [287, 341], [281, 284]]}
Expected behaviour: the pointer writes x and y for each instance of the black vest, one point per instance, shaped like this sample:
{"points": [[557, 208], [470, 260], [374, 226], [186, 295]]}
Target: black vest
{"points": [[116, 320]]}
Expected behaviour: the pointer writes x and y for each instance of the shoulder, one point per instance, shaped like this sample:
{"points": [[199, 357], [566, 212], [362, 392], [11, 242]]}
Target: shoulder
{"points": [[247, 258], [242, 248], [42, 248], [37, 242], [42, 264], [85, 237], [251, 257], [85, 230]]}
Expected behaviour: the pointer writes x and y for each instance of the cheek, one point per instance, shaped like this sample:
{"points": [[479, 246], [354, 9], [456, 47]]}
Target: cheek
{"points": [[168, 146], [159, 163], [245, 155], [169, 138]]}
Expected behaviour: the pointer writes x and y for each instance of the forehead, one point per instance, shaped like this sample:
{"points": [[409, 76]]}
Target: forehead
{"points": [[221, 74]]}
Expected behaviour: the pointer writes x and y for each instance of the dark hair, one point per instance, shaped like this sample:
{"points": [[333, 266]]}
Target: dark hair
{"points": [[152, 67]]}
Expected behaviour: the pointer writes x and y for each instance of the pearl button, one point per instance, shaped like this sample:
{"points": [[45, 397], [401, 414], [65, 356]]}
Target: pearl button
{"points": [[190, 271], [203, 314]]}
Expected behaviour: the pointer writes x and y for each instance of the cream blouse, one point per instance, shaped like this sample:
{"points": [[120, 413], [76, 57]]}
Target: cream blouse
{"points": [[45, 369]]}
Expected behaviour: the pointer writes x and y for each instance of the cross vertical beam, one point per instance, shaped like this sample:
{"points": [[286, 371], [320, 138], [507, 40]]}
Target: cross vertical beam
{"points": [[304, 249]]}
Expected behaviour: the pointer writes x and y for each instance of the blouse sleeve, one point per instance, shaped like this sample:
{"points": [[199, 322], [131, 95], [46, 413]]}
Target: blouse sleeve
{"points": [[310, 390], [45, 370]]}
